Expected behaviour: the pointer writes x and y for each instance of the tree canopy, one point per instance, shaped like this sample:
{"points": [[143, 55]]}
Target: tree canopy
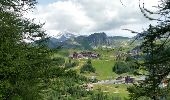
{"points": [[28, 71], [156, 48]]}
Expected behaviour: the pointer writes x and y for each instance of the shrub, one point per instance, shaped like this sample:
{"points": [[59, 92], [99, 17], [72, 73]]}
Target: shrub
{"points": [[121, 67], [58, 61], [87, 67], [71, 64]]}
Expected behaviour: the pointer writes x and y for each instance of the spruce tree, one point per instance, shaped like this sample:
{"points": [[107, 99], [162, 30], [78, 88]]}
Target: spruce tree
{"points": [[156, 49]]}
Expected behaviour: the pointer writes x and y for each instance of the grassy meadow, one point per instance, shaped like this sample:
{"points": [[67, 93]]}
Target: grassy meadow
{"points": [[103, 67], [115, 90]]}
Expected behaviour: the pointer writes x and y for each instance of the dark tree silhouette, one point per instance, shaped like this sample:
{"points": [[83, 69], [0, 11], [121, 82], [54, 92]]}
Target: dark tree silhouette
{"points": [[156, 47]]}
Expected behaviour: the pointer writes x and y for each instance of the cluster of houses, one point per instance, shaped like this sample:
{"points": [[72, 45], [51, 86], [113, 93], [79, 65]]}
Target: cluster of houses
{"points": [[125, 80], [128, 79], [119, 80], [134, 53], [84, 55]]}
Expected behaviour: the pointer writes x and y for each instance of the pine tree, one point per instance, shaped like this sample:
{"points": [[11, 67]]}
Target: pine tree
{"points": [[156, 49]]}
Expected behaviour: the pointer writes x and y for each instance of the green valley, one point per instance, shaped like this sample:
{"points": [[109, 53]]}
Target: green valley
{"points": [[84, 50]]}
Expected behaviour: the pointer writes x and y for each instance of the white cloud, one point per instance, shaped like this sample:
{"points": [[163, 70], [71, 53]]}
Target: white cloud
{"points": [[88, 16]]}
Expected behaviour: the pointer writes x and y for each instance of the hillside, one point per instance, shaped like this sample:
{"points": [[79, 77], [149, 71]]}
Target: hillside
{"points": [[95, 40]]}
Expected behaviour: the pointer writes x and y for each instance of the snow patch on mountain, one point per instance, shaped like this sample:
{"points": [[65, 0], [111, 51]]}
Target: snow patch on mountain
{"points": [[63, 36]]}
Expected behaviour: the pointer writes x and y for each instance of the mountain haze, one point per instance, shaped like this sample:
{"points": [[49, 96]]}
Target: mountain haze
{"points": [[95, 40]]}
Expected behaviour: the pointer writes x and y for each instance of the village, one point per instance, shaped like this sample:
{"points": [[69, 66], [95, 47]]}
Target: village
{"points": [[84, 55], [104, 61], [120, 79], [123, 80]]}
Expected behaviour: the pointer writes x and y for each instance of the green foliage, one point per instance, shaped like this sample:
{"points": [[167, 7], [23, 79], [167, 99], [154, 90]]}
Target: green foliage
{"points": [[17, 5], [28, 72], [71, 64], [100, 95], [66, 86], [22, 70], [121, 67], [87, 67], [58, 61], [22, 67], [103, 68], [156, 48], [63, 52]]}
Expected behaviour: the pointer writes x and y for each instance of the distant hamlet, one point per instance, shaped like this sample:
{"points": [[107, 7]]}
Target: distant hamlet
{"points": [[84, 55]]}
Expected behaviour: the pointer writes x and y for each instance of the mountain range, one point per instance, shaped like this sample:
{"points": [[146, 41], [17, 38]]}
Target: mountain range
{"points": [[95, 40]]}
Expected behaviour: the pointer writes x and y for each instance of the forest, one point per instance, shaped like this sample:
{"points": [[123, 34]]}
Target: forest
{"points": [[33, 71]]}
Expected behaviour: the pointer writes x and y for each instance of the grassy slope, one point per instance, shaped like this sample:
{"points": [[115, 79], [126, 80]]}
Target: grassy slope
{"points": [[116, 90], [103, 65], [104, 69]]}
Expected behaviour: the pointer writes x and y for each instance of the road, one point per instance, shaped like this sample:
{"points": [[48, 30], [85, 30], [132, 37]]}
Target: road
{"points": [[122, 81]]}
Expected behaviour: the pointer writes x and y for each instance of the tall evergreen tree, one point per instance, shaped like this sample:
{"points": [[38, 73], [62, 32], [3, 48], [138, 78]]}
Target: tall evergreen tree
{"points": [[23, 67], [28, 72], [156, 48]]}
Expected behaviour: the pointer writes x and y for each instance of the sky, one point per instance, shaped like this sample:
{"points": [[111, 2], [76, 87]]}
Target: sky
{"points": [[84, 17]]}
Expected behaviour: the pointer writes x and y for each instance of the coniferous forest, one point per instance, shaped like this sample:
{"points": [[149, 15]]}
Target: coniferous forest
{"points": [[94, 67]]}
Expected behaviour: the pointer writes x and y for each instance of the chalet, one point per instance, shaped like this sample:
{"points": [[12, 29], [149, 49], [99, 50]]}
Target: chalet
{"points": [[124, 80], [135, 52], [84, 55], [128, 79]]}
